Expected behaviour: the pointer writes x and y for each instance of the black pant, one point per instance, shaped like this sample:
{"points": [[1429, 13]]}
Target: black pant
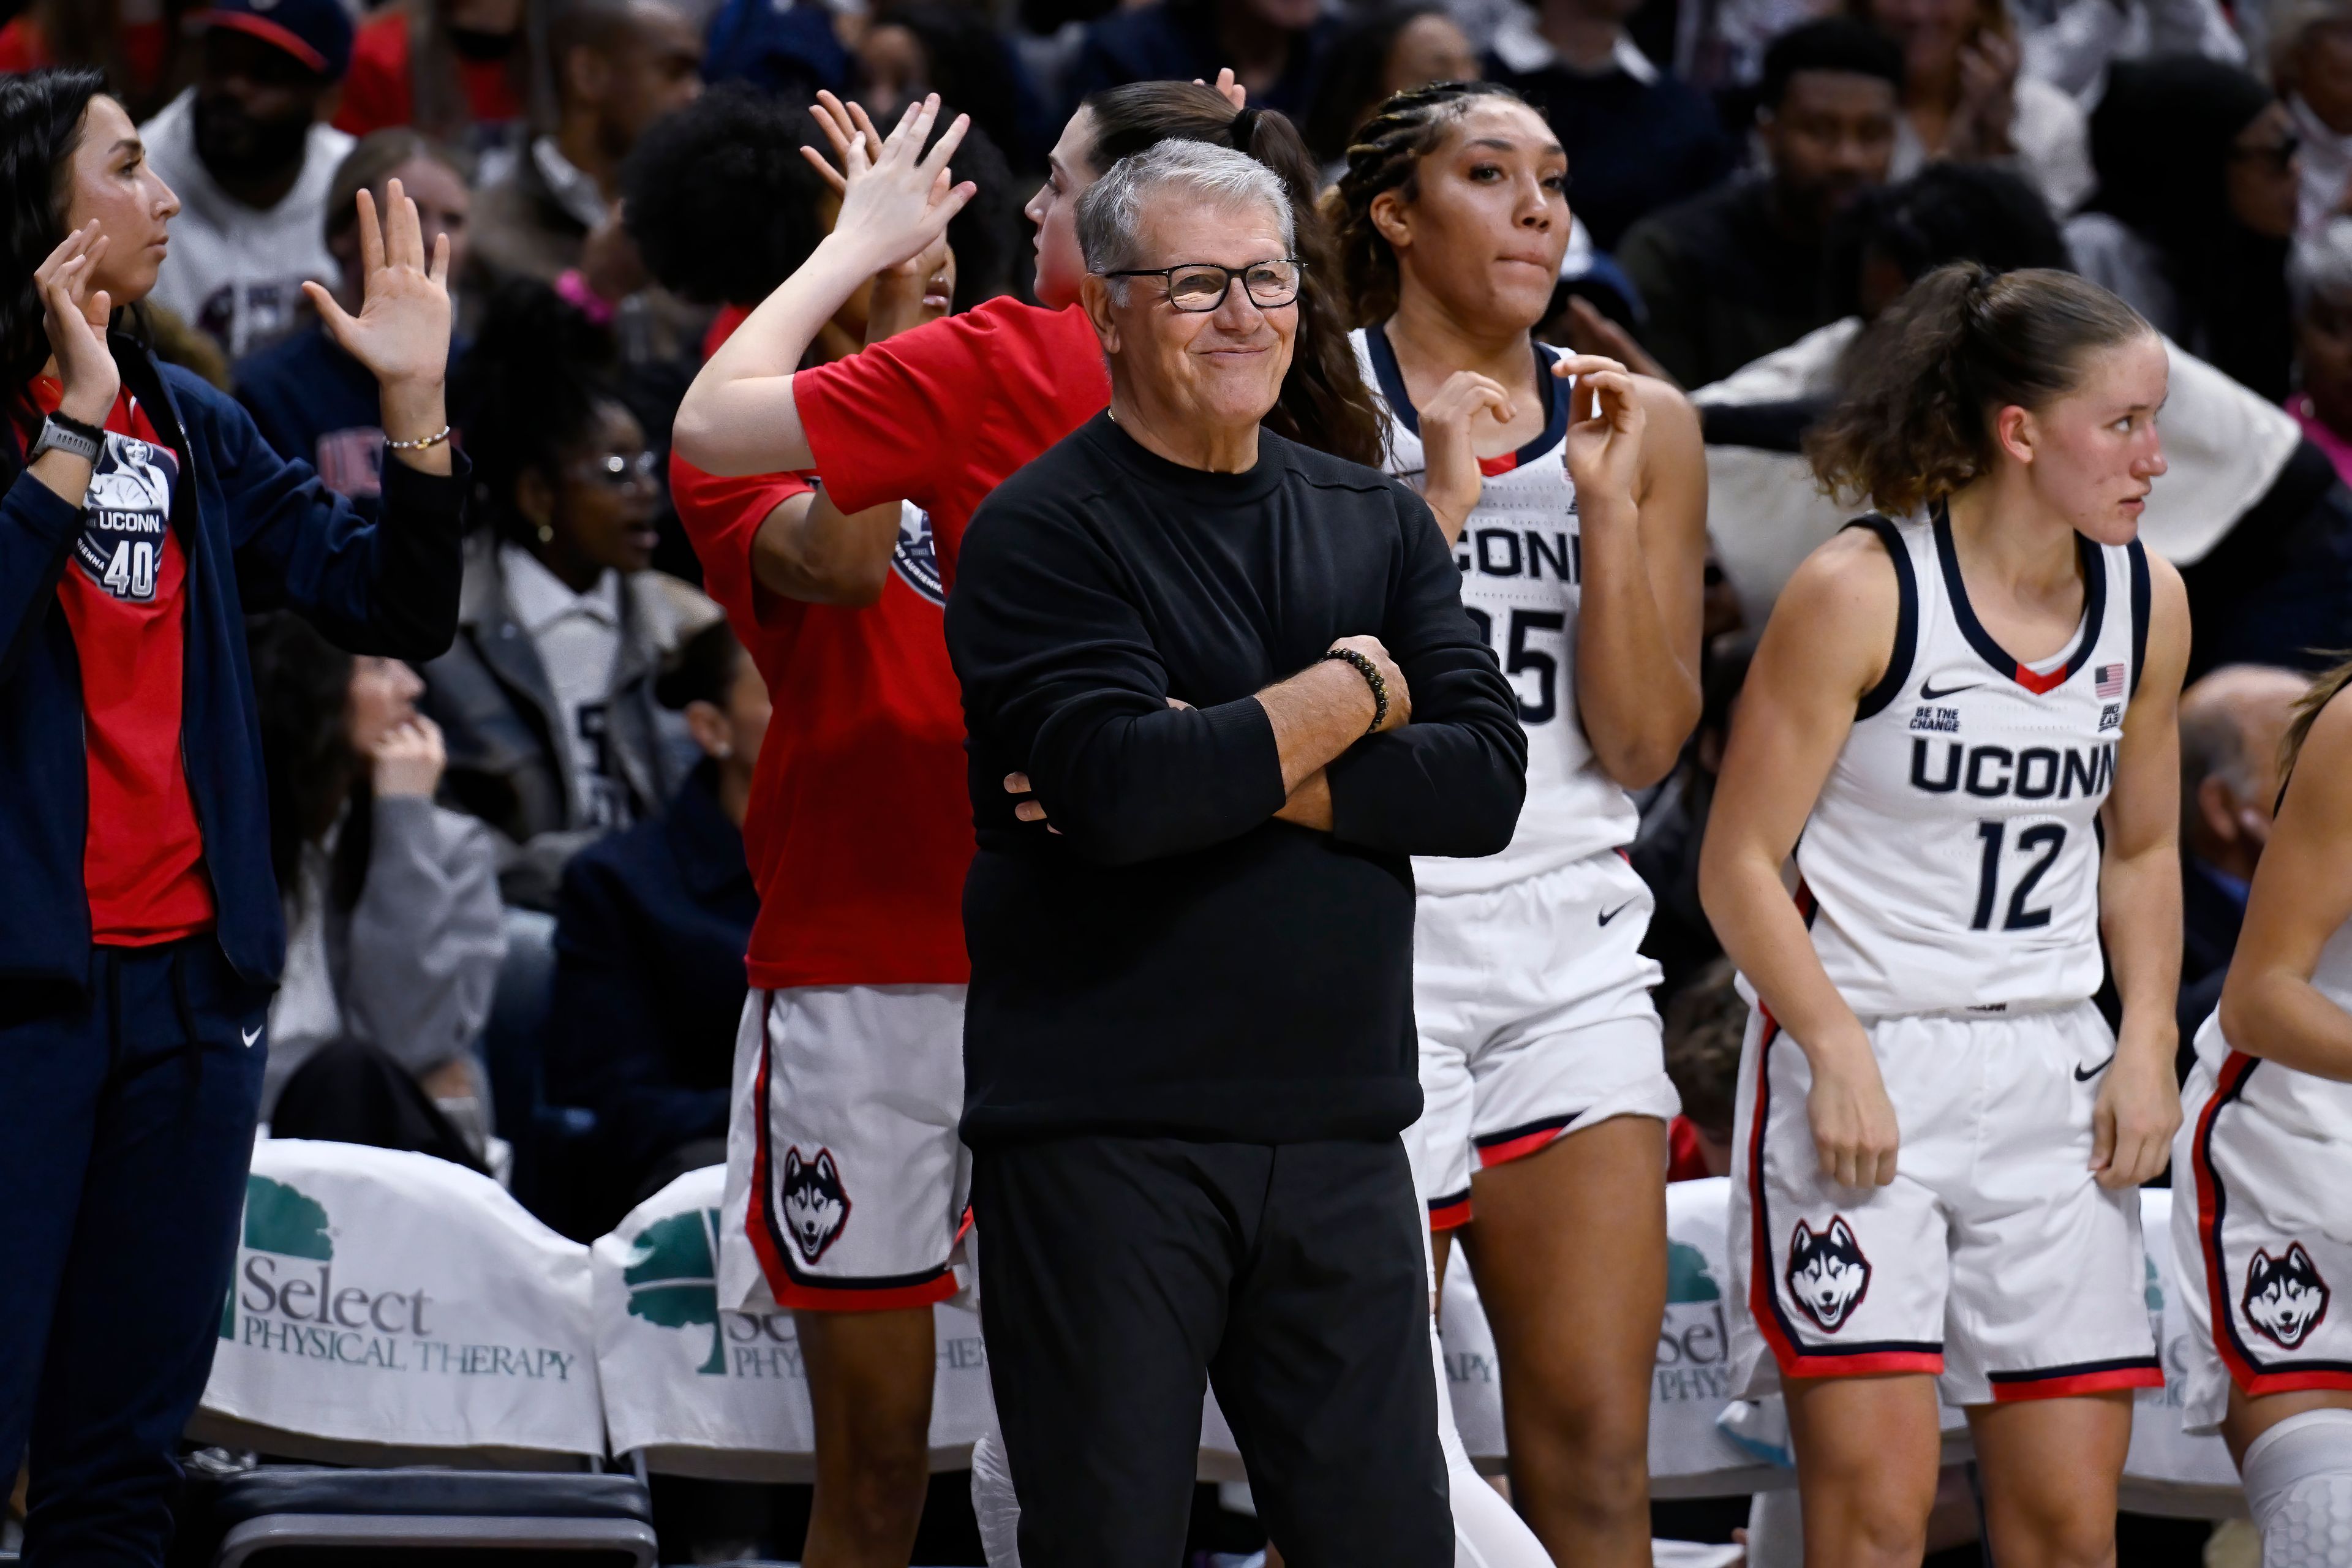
{"points": [[1117, 1272], [126, 1125]]}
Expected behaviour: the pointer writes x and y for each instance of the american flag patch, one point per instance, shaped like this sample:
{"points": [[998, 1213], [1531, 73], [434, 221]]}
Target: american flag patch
{"points": [[2107, 680]]}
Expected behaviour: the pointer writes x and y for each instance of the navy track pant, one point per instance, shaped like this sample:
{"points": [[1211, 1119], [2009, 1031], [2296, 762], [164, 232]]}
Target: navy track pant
{"points": [[126, 1127]]}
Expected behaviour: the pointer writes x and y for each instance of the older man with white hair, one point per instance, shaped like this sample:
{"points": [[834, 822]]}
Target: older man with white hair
{"points": [[1219, 688]]}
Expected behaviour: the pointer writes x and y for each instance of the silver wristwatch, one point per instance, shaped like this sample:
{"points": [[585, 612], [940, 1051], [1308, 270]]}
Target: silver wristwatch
{"points": [[60, 436]]}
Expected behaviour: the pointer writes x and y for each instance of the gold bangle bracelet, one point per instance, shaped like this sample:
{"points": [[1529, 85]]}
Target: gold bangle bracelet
{"points": [[420, 444]]}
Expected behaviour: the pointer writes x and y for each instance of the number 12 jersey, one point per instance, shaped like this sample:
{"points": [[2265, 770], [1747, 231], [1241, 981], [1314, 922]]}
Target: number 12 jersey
{"points": [[1951, 862]]}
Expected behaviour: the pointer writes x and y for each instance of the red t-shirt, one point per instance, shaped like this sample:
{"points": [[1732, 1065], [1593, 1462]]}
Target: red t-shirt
{"points": [[124, 597], [859, 829], [380, 88], [1685, 1155]]}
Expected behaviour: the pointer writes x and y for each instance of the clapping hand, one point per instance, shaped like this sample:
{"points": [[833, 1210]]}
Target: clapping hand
{"points": [[896, 199], [1451, 478], [74, 315], [402, 332]]}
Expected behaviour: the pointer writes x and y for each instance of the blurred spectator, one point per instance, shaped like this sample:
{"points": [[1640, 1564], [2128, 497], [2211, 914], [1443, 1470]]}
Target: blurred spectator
{"points": [[1637, 138], [2231, 723], [792, 51], [457, 70], [1947, 212], [244, 152], [911, 48], [649, 941], [1706, 1024], [2196, 205], [1277, 49], [1378, 53], [1964, 99], [1673, 821], [2321, 283], [1735, 273], [131, 40], [393, 938], [2070, 44], [312, 399], [619, 66], [546, 699], [2311, 62]]}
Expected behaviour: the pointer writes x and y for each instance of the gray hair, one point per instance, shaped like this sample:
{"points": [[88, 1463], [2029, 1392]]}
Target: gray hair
{"points": [[2321, 265], [1110, 213]]}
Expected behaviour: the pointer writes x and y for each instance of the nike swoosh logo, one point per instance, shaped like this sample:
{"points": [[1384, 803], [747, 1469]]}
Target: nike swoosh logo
{"points": [[1927, 692], [1620, 909], [251, 1036], [2083, 1077]]}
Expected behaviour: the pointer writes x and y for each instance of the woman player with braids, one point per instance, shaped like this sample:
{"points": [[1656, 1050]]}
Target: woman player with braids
{"points": [[2263, 1155], [1963, 726], [1578, 509]]}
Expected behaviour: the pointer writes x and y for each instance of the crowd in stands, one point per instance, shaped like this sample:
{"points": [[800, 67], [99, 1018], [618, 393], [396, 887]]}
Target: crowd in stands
{"points": [[1749, 181], [515, 878]]}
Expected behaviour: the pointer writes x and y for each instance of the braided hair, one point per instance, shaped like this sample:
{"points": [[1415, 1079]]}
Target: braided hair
{"points": [[1386, 156]]}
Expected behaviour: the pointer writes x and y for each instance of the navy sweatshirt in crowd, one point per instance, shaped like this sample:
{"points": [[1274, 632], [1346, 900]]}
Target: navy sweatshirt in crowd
{"points": [[1173, 960], [260, 533]]}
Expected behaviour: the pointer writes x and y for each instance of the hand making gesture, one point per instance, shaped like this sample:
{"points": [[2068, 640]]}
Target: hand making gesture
{"points": [[401, 331]]}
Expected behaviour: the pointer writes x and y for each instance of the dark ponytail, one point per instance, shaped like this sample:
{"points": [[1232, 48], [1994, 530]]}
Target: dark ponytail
{"points": [[1963, 343], [1324, 403], [1385, 155], [40, 125]]}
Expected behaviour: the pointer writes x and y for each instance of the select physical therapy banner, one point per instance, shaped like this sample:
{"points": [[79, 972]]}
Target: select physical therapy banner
{"points": [[383, 1296], [722, 1392]]}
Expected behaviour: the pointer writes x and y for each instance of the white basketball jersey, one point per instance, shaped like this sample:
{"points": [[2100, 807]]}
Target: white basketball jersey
{"points": [[1951, 864], [1522, 569]]}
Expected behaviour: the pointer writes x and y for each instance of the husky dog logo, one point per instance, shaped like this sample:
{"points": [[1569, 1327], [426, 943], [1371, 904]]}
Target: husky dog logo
{"points": [[2286, 1297], [1827, 1274], [815, 1206]]}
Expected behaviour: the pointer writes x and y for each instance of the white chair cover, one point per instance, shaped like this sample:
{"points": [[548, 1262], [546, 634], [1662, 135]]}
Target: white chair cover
{"points": [[390, 1302], [721, 1393]]}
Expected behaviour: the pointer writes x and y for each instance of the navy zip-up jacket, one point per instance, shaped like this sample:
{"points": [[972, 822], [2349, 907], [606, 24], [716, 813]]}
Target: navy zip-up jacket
{"points": [[259, 533]]}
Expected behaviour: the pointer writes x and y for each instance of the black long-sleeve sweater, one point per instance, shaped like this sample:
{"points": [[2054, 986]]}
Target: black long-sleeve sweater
{"points": [[1173, 961]]}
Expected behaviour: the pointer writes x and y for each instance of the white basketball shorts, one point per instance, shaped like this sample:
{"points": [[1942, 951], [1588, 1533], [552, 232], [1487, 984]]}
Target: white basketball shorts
{"points": [[2264, 1237], [1993, 1260], [1533, 1003], [846, 1180]]}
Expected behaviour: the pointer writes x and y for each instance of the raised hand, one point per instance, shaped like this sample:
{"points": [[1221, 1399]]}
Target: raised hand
{"points": [[74, 316], [1230, 90], [1451, 482], [1605, 432], [402, 332], [897, 201], [842, 124], [409, 760]]}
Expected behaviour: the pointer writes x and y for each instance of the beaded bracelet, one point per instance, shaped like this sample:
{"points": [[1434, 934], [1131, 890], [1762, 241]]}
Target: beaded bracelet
{"points": [[1373, 678], [421, 443]]}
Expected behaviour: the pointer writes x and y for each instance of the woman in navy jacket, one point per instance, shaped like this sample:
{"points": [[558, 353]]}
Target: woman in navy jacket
{"points": [[141, 517]]}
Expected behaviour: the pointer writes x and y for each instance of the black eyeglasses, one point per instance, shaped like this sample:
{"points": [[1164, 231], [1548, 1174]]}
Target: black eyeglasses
{"points": [[1200, 285]]}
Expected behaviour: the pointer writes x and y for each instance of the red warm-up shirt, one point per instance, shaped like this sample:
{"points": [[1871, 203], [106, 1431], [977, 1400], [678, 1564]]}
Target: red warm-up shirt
{"points": [[859, 829], [124, 594], [380, 88]]}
